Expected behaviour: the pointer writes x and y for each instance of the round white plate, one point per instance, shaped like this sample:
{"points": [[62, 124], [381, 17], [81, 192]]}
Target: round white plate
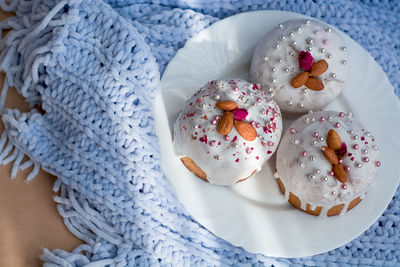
{"points": [[253, 214]]}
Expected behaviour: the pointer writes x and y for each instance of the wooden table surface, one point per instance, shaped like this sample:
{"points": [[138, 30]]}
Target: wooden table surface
{"points": [[29, 220]]}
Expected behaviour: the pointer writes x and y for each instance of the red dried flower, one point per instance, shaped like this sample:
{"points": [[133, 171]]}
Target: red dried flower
{"points": [[305, 60]]}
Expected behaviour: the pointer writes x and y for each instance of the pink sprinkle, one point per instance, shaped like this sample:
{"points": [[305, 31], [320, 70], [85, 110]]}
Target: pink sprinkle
{"points": [[362, 138], [292, 131], [237, 160], [213, 122], [331, 173], [217, 117], [344, 186], [257, 157], [377, 163], [341, 114], [305, 60], [340, 161], [236, 89], [212, 143], [269, 143], [234, 139], [258, 100], [203, 139], [256, 86], [352, 158], [349, 154], [253, 123], [365, 159], [304, 154], [239, 114], [322, 119], [347, 168], [356, 146], [198, 100], [315, 134], [248, 150], [226, 137], [219, 143], [258, 125], [337, 125], [269, 152], [366, 143]]}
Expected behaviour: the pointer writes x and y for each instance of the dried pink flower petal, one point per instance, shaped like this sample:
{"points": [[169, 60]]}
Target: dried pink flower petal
{"points": [[305, 60], [343, 150], [239, 114]]}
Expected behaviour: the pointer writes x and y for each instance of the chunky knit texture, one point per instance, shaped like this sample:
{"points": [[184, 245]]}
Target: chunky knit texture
{"points": [[94, 66]]}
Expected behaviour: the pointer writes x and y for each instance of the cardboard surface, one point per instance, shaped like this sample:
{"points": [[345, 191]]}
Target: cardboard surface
{"points": [[29, 220]]}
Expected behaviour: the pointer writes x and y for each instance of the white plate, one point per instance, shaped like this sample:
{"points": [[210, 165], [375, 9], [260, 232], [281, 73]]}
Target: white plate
{"points": [[254, 214]]}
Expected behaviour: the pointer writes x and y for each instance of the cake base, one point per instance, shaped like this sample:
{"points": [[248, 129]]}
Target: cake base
{"points": [[196, 170], [333, 211]]}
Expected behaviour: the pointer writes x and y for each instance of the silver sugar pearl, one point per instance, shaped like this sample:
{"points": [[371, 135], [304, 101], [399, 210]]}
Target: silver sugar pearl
{"points": [[333, 75], [325, 179], [316, 32], [310, 41], [328, 30], [330, 118], [277, 46], [317, 171], [333, 193], [281, 25], [349, 114], [255, 104], [286, 69], [314, 142], [322, 50], [262, 111], [355, 137], [307, 21], [311, 177], [217, 97], [313, 158], [375, 147], [280, 60], [295, 141], [273, 80], [351, 132], [358, 165], [300, 165], [236, 145], [282, 37], [218, 157], [309, 48], [368, 134], [203, 105], [260, 136], [300, 105], [270, 90], [294, 43], [251, 94], [266, 58], [321, 138], [273, 69], [298, 29], [344, 49], [312, 119], [344, 62], [291, 54], [329, 56], [365, 151], [289, 103], [305, 90], [307, 120]]}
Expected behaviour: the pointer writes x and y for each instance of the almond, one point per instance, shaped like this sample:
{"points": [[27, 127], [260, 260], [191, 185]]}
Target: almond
{"points": [[340, 172], [246, 130], [226, 105], [225, 124], [330, 155], [300, 79], [333, 140], [319, 67], [314, 84]]}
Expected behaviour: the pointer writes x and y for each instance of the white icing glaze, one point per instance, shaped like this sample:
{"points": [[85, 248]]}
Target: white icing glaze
{"points": [[284, 60], [194, 131], [315, 191]]}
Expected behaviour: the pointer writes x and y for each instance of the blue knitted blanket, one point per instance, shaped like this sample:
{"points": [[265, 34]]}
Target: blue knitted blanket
{"points": [[94, 66]]}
